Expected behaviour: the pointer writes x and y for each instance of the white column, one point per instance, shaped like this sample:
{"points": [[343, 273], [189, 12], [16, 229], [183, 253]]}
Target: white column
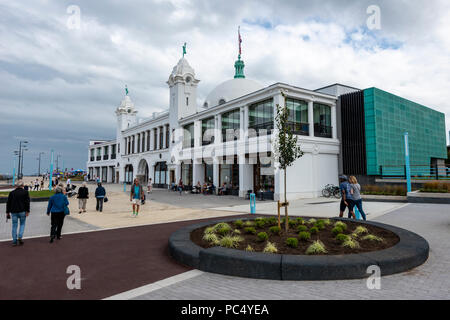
{"points": [[311, 118], [197, 134], [216, 172], [245, 176], [218, 127], [333, 122], [163, 132], [152, 139]]}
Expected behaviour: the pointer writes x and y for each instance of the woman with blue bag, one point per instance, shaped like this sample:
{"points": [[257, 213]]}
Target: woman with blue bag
{"points": [[58, 208]]}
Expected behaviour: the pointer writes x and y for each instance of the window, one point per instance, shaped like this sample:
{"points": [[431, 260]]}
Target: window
{"points": [[167, 136], [161, 138], [260, 117], [322, 120], [187, 101], [298, 116], [222, 101], [230, 125], [186, 174], [155, 138], [207, 131], [188, 136]]}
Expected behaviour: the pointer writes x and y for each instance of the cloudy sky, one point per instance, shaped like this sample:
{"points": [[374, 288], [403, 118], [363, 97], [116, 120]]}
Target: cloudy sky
{"points": [[59, 85]]}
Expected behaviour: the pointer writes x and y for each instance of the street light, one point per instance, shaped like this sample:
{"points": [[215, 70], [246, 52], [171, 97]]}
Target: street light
{"points": [[16, 153], [39, 167], [57, 164], [22, 145]]}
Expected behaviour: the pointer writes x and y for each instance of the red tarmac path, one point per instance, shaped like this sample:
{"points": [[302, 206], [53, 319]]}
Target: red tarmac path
{"points": [[111, 262]]}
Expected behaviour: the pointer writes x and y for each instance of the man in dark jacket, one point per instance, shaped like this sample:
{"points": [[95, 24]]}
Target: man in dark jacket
{"points": [[83, 195], [18, 208], [100, 194]]}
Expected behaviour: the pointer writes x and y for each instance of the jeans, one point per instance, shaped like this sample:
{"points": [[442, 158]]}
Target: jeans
{"points": [[15, 217], [358, 204], [99, 206]]}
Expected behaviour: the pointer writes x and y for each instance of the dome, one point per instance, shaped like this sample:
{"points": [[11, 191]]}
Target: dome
{"points": [[230, 90], [182, 68]]}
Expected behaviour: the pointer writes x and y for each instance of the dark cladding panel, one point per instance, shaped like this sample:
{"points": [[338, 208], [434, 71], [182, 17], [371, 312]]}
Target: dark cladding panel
{"points": [[353, 133]]}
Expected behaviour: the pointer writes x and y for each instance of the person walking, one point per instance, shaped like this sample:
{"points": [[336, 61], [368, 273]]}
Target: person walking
{"points": [[100, 194], [42, 184], [149, 185], [355, 191], [18, 209], [180, 186], [345, 197], [136, 196], [57, 208], [36, 185], [83, 195]]}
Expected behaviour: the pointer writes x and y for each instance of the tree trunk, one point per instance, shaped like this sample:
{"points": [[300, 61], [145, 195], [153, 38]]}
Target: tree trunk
{"points": [[286, 222]]}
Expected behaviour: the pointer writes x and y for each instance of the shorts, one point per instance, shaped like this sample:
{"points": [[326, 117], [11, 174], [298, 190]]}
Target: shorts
{"points": [[342, 206], [136, 201]]}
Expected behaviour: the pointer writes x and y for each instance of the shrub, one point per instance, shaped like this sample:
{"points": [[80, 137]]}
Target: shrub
{"points": [[211, 238], [302, 228], [292, 242], [319, 225], [270, 248], [250, 230], [262, 236], [341, 224], [316, 248], [304, 236], [354, 235], [314, 230], [260, 223], [300, 220], [337, 230], [360, 230], [275, 230], [327, 222], [271, 221], [311, 221], [224, 230], [249, 248], [230, 241], [249, 223], [371, 237], [209, 230], [239, 223], [221, 225], [351, 243], [342, 237], [292, 223], [237, 231]]}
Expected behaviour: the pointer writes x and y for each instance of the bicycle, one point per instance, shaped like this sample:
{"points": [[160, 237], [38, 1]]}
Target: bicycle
{"points": [[331, 190]]}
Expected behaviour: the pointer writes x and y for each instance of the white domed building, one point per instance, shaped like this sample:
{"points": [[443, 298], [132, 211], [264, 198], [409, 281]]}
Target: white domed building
{"points": [[227, 141]]}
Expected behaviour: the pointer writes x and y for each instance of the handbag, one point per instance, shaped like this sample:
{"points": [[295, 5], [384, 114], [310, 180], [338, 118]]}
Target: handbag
{"points": [[105, 199]]}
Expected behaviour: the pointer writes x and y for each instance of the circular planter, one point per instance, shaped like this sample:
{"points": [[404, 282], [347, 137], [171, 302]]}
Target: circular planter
{"points": [[411, 251]]}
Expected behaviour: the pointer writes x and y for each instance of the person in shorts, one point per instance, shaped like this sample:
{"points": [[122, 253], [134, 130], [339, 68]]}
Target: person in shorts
{"points": [[346, 201], [136, 196]]}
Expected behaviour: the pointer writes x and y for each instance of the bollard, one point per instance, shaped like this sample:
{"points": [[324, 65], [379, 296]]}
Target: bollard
{"points": [[252, 203], [124, 187], [357, 214]]}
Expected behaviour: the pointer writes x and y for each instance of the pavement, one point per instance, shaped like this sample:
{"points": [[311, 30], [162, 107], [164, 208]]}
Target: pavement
{"points": [[428, 281], [126, 258]]}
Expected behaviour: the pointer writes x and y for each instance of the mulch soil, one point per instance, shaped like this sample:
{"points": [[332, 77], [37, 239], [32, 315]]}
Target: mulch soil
{"points": [[332, 246]]}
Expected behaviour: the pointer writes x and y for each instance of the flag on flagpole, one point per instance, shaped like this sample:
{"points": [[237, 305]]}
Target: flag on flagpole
{"points": [[239, 39]]}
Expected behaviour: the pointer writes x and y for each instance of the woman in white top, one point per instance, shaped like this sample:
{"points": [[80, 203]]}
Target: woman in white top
{"points": [[149, 186], [355, 190]]}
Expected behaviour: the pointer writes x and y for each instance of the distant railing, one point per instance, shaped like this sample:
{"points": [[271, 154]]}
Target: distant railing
{"points": [[299, 128], [322, 131], [418, 172]]}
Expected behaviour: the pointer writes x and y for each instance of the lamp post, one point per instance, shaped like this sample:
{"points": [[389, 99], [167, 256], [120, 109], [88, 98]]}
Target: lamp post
{"points": [[22, 145], [50, 181], [16, 153], [39, 165], [407, 166]]}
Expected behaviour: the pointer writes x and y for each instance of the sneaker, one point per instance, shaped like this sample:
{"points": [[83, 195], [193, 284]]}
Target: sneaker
{"points": [[20, 241], [14, 244]]}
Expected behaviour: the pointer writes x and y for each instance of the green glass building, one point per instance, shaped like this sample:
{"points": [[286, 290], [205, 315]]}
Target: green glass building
{"points": [[373, 124]]}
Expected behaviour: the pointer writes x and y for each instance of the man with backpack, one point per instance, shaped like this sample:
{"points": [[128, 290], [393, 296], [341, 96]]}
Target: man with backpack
{"points": [[136, 196]]}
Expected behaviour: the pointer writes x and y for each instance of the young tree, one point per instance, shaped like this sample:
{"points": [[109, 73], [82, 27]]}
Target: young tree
{"points": [[286, 148]]}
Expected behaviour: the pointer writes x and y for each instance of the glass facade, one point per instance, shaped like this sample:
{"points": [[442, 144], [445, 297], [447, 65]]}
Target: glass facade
{"points": [[186, 173], [188, 136], [298, 116], [230, 125], [207, 131], [260, 118], [322, 120], [387, 118]]}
